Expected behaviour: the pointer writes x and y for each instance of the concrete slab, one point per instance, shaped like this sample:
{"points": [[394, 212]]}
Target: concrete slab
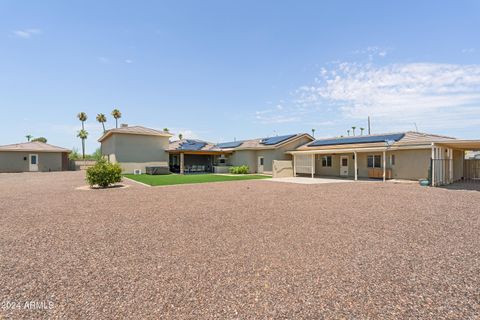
{"points": [[305, 180]]}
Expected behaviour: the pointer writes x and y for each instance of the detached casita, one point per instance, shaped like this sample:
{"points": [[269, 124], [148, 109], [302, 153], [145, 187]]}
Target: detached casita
{"points": [[33, 156]]}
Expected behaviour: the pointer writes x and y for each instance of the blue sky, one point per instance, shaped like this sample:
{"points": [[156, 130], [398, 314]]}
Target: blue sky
{"points": [[219, 70]]}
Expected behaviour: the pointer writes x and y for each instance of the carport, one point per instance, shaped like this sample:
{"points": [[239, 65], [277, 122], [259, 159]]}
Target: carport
{"points": [[449, 164]]}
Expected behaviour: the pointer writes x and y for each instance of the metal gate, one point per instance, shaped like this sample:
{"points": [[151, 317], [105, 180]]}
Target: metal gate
{"points": [[471, 170]]}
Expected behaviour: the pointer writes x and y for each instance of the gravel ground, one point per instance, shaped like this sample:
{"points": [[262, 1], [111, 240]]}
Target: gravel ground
{"points": [[249, 249]]}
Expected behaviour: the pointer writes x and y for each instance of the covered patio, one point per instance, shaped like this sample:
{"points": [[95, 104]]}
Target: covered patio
{"points": [[345, 163], [190, 162]]}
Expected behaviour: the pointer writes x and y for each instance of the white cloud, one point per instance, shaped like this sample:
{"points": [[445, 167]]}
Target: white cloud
{"points": [[26, 33], [128, 61], [373, 51], [435, 95], [468, 50]]}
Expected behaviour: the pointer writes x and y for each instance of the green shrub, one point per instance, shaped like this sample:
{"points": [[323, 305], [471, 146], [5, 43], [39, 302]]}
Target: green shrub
{"points": [[104, 174], [239, 170]]}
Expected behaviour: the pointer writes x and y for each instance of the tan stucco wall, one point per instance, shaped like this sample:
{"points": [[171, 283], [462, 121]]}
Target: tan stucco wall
{"points": [[250, 157], [282, 168], [136, 151], [245, 157], [14, 161], [409, 164]]}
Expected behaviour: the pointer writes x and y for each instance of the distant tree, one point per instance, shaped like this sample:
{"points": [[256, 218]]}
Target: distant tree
{"points": [[180, 136], [83, 134], [97, 155], [40, 139], [102, 119], [28, 136], [361, 131], [74, 155], [82, 116], [348, 132], [353, 129], [116, 114], [166, 130], [313, 133]]}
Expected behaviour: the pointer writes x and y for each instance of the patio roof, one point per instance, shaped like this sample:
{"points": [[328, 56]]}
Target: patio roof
{"points": [[470, 145]]}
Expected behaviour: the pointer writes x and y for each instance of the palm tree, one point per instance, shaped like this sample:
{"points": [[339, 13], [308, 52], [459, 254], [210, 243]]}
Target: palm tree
{"points": [[313, 133], [117, 115], [353, 129], [28, 136], [348, 131], [180, 136], [82, 116], [361, 131], [83, 134], [102, 119], [40, 139]]}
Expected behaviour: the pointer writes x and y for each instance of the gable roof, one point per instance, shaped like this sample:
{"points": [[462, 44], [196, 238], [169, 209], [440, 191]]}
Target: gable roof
{"points": [[35, 146], [262, 143], [135, 130], [405, 139]]}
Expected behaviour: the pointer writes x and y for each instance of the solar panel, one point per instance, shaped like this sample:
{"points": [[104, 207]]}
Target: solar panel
{"points": [[227, 145], [358, 139], [276, 140], [193, 145]]}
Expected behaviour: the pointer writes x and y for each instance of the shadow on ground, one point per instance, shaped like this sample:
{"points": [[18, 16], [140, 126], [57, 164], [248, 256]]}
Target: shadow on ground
{"points": [[472, 186]]}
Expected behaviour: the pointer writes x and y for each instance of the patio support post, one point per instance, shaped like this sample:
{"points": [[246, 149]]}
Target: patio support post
{"points": [[293, 164], [433, 165], [356, 165], [384, 165], [313, 165], [450, 169], [182, 163]]}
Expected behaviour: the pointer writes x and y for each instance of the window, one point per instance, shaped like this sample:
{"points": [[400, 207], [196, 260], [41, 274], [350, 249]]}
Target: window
{"points": [[392, 160], [374, 161], [261, 161], [327, 161], [33, 159], [344, 162]]}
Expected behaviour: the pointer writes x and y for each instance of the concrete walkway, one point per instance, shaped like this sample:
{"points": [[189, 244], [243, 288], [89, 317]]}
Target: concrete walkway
{"points": [[307, 180]]}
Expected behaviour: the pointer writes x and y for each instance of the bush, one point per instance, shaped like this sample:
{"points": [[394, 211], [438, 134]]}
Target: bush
{"points": [[104, 174], [239, 170]]}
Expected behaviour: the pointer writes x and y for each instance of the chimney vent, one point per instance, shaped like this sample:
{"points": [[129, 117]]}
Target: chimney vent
{"points": [[124, 125]]}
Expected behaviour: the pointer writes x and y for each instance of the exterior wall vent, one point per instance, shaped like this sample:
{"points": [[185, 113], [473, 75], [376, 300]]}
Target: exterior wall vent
{"points": [[137, 171]]}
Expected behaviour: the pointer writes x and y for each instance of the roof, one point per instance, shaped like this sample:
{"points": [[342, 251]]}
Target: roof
{"points": [[262, 143], [193, 145], [398, 139], [135, 130], [34, 146]]}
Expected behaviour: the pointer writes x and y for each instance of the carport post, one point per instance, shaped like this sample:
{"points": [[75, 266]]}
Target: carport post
{"points": [[433, 165], [356, 165], [293, 164], [313, 165], [182, 163], [384, 165]]}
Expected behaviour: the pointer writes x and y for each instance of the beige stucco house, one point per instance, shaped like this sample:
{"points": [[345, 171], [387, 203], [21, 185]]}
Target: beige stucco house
{"points": [[190, 155], [33, 156], [135, 147], [406, 155]]}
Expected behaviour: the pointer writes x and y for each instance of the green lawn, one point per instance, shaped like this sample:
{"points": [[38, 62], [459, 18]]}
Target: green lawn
{"points": [[165, 180]]}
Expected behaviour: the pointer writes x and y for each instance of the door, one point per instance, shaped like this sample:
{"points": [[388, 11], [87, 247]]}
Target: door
{"points": [[33, 162], [344, 166], [260, 164]]}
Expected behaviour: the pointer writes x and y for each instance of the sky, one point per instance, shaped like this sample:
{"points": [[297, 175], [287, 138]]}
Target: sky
{"points": [[225, 70]]}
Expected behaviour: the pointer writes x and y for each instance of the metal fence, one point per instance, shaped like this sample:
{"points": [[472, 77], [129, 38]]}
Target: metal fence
{"points": [[441, 172], [471, 170]]}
